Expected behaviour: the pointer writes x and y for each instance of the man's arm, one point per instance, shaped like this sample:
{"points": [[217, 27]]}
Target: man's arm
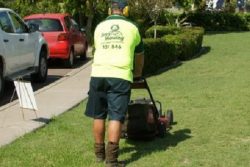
{"points": [[139, 62]]}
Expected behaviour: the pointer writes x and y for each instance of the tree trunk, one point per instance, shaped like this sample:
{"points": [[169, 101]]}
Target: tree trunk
{"points": [[80, 18], [89, 27], [90, 20], [155, 32]]}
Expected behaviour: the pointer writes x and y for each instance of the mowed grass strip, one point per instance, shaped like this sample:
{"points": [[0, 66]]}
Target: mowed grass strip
{"points": [[209, 96]]}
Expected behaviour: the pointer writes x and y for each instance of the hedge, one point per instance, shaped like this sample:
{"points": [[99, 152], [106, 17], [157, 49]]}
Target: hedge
{"points": [[169, 47], [191, 42], [219, 21], [161, 31], [159, 53]]}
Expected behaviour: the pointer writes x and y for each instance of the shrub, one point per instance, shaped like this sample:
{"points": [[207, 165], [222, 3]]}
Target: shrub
{"points": [[219, 21], [191, 42], [247, 18], [159, 53], [161, 31], [163, 51]]}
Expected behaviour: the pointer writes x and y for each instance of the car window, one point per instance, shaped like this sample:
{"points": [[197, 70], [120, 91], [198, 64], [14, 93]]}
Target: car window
{"points": [[67, 22], [35, 21], [46, 25], [19, 25], [5, 23]]}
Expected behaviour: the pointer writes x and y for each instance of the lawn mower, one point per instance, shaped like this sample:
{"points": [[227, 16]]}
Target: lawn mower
{"points": [[145, 119]]}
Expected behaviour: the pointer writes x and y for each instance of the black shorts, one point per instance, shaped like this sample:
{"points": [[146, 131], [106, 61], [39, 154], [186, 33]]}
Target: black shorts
{"points": [[108, 97]]}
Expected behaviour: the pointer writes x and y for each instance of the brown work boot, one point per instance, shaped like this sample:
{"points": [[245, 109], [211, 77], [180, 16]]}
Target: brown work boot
{"points": [[100, 152], [112, 153]]}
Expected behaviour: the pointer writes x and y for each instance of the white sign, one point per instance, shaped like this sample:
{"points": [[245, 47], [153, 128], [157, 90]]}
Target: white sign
{"points": [[25, 94]]}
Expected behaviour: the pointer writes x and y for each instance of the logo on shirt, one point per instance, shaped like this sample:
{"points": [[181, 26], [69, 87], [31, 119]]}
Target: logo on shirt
{"points": [[114, 35]]}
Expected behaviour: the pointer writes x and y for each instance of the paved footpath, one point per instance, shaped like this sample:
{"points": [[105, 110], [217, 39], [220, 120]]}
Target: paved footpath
{"points": [[52, 100]]}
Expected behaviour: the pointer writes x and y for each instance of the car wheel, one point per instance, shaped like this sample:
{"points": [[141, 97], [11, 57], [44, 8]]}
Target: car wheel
{"points": [[42, 72], [70, 61], [83, 56], [1, 81]]}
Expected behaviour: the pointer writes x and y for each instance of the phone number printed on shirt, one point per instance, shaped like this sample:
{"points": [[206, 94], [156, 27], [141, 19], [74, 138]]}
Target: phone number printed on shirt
{"points": [[111, 46]]}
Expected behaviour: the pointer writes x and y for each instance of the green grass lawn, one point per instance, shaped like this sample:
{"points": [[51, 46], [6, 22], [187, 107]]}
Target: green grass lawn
{"points": [[210, 98]]}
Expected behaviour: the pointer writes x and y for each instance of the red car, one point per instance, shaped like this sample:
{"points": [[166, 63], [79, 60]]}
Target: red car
{"points": [[65, 39]]}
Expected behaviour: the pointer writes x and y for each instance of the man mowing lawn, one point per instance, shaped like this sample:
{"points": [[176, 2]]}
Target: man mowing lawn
{"points": [[117, 41]]}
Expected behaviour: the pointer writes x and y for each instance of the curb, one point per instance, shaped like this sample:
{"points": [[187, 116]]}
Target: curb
{"points": [[65, 77]]}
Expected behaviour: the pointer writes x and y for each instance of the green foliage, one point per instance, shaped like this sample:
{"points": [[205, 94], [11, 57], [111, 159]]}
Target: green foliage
{"points": [[3, 4], [159, 53], [186, 4], [230, 6], [219, 21], [141, 19], [162, 30], [75, 6], [172, 43], [247, 17], [88, 13], [191, 42], [148, 13], [171, 17], [25, 8], [48, 6], [101, 12]]}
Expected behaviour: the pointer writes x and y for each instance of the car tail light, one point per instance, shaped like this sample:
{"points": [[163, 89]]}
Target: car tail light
{"points": [[62, 37]]}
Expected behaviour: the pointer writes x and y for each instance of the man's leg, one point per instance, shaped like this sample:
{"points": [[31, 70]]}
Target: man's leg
{"points": [[114, 131], [96, 108], [99, 130], [112, 151], [118, 99], [99, 135]]}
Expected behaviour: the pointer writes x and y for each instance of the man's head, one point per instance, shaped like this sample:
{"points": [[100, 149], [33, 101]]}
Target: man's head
{"points": [[119, 7]]}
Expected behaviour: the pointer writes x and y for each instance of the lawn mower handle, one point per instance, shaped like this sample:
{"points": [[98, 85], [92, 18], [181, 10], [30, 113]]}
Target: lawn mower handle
{"points": [[141, 83]]}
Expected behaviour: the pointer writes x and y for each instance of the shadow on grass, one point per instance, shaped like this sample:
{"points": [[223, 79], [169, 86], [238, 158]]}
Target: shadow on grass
{"points": [[224, 32], [204, 50], [162, 70], [141, 149]]}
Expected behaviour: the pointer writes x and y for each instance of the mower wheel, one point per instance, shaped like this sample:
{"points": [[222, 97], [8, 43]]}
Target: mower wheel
{"points": [[161, 130], [170, 116]]}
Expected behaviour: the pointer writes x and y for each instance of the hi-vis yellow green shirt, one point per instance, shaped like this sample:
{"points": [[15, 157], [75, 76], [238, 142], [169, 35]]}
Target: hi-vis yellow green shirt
{"points": [[116, 41]]}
